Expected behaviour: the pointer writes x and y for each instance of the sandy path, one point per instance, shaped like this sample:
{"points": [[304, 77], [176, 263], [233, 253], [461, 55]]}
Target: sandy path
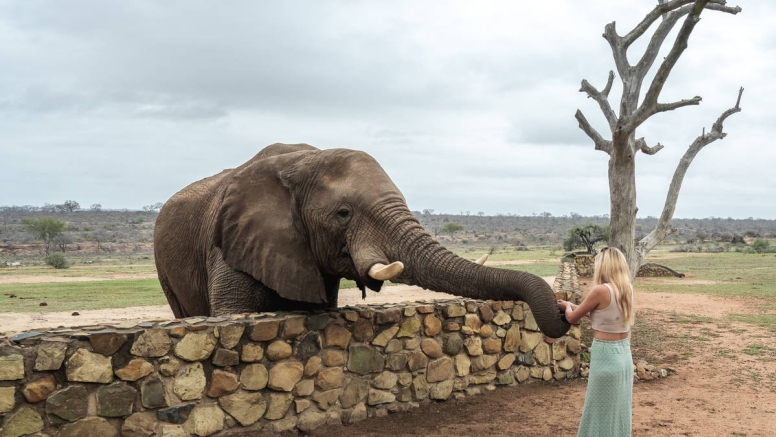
{"points": [[700, 305]]}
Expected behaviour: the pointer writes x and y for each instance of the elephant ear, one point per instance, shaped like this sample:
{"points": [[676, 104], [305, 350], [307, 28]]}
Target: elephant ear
{"points": [[259, 232]]}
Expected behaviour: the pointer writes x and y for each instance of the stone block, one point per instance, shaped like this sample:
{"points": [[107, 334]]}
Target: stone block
{"points": [[462, 365], [363, 359], [196, 346], [11, 367], [115, 400], [417, 360], [246, 407], [326, 399], [252, 352], [310, 420], [330, 378], [441, 391], [265, 330], [377, 397], [363, 330], [473, 346], [229, 336], [431, 347], [225, 357], [136, 369], [139, 425], [278, 405], [432, 325], [391, 315], [355, 391], [454, 311], [190, 382], [23, 421], [151, 343], [386, 335], [283, 376], [50, 356], [107, 343], [85, 366], [409, 328], [336, 336], [35, 391], [512, 339], [223, 383], [90, 426], [153, 393], [491, 346], [206, 420], [7, 399], [385, 380], [254, 377], [178, 415], [69, 404], [439, 370]]}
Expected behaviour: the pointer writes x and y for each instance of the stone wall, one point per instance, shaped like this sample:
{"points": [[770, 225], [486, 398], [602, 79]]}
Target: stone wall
{"points": [[566, 285], [584, 263], [271, 371]]}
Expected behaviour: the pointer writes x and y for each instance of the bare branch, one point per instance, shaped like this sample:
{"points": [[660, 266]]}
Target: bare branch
{"points": [[601, 98], [649, 105], [661, 229], [717, 126], [659, 11], [642, 145], [720, 6], [663, 8], [669, 21], [663, 107], [600, 142], [619, 50]]}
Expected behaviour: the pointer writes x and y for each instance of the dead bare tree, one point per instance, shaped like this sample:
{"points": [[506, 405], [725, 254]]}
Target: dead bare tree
{"points": [[623, 146]]}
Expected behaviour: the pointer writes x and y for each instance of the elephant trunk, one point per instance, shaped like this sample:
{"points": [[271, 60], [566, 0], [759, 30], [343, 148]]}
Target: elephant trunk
{"points": [[429, 265]]}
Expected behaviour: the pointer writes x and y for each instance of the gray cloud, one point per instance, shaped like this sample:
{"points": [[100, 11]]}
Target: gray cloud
{"points": [[463, 106]]}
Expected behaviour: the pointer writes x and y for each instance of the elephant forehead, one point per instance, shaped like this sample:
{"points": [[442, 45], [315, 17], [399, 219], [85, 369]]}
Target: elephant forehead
{"points": [[355, 174]]}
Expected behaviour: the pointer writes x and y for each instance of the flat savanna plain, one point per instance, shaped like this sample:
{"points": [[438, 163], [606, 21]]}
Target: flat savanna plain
{"points": [[715, 329]]}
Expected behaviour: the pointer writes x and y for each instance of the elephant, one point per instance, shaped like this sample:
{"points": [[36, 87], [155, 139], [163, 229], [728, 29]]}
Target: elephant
{"points": [[280, 231]]}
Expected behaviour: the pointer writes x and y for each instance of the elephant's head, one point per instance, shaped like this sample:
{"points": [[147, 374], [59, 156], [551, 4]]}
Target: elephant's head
{"points": [[298, 219]]}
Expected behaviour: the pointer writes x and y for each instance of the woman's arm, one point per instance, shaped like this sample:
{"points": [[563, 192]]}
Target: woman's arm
{"points": [[574, 313]]}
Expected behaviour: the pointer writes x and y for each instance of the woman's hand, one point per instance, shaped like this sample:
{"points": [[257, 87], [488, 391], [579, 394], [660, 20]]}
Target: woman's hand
{"points": [[562, 305]]}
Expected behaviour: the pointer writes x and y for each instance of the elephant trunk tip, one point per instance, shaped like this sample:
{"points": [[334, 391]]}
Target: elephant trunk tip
{"points": [[555, 328]]}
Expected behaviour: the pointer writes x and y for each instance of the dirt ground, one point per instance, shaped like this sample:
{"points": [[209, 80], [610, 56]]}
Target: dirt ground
{"points": [[723, 380]]}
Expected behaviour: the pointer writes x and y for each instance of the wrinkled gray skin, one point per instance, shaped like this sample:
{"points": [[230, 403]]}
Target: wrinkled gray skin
{"points": [[281, 230]]}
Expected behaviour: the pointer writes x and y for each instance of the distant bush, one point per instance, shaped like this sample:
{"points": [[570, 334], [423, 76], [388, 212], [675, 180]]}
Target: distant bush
{"points": [[57, 260], [699, 248], [759, 245]]}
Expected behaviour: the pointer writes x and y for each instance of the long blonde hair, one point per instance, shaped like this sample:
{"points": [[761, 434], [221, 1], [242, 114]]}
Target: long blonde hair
{"points": [[611, 268]]}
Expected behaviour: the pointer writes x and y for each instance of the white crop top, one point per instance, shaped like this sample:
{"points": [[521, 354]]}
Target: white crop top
{"points": [[609, 319]]}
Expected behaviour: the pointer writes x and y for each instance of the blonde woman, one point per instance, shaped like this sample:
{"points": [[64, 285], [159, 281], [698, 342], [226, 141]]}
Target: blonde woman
{"points": [[608, 400]]}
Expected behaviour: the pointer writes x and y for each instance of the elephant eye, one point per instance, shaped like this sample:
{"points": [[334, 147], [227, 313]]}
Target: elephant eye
{"points": [[343, 213]]}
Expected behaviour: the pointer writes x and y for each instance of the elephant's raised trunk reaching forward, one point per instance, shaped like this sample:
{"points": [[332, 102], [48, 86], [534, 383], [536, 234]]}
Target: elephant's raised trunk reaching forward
{"points": [[426, 263]]}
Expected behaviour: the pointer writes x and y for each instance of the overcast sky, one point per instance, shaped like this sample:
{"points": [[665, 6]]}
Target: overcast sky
{"points": [[468, 106]]}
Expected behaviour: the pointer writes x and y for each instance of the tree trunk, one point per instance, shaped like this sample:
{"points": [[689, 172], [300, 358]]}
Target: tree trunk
{"points": [[622, 197]]}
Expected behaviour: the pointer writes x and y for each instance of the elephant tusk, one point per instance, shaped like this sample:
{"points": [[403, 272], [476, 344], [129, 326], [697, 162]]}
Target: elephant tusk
{"points": [[382, 272], [481, 260]]}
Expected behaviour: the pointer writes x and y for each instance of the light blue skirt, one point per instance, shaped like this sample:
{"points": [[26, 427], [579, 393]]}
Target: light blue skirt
{"points": [[609, 396]]}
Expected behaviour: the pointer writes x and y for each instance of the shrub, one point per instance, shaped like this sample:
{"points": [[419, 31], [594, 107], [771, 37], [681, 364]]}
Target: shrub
{"points": [[760, 246], [57, 260]]}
